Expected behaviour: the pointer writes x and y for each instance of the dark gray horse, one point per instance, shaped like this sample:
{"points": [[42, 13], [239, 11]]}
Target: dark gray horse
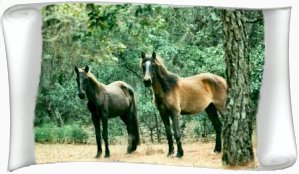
{"points": [[108, 101]]}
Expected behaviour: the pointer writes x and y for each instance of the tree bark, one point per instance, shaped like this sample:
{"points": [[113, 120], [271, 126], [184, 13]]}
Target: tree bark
{"points": [[152, 135], [237, 119]]}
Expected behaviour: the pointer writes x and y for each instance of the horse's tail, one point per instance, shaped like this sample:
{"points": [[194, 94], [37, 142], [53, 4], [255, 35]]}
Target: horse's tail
{"points": [[134, 120]]}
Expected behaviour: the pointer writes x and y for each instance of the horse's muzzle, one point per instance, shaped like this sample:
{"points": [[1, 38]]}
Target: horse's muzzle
{"points": [[147, 83], [81, 95]]}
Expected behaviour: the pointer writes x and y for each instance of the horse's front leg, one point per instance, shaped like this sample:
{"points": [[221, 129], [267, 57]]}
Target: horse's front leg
{"points": [[105, 133], [97, 124], [177, 133], [166, 121]]}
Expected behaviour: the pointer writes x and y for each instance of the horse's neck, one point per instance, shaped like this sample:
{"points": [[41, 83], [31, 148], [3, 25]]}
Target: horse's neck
{"points": [[94, 88], [164, 81], [157, 88]]}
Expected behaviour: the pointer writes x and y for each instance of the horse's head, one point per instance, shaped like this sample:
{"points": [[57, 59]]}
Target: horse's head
{"points": [[81, 78], [148, 65]]}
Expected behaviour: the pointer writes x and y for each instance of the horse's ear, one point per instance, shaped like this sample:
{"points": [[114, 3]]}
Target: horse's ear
{"points": [[154, 55], [76, 69], [142, 55], [86, 69]]}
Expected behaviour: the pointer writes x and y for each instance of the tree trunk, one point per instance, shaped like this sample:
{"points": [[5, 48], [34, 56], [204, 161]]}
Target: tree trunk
{"points": [[237, 119], [151, 134]]}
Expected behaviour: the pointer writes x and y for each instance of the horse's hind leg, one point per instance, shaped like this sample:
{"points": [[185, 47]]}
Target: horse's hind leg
{"points": [[125, 119], [213, 116]]}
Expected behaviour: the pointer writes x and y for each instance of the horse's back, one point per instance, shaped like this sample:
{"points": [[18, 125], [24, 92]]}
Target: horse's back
{"points": [[119, 96], [208, 87], [120, 86], [218, 87]]}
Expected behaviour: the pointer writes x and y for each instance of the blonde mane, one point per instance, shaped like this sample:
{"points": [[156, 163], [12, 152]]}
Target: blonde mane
{"points": [[93, 78], [160, 62]]}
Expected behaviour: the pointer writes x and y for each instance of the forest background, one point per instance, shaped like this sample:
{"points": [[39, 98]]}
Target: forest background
{"points": [[110, 38]]}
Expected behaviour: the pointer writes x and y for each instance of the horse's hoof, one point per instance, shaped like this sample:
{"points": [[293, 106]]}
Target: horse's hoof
{"points": [[170, 154], [217, 151], [179, 155], [98, 155], [107, 155], [131, 150]]}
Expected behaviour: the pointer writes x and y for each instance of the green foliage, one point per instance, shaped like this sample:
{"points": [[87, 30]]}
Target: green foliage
{"points": [[110, 38], [50, 133]]}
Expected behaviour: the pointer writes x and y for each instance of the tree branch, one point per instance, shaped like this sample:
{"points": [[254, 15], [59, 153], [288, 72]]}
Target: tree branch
{"points": [[130, 69], [121, 57]]}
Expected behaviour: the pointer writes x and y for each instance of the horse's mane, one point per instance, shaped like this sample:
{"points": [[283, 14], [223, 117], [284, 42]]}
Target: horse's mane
{"points": [[92, 78], [95, 81], [159, 61], [166, 78]]}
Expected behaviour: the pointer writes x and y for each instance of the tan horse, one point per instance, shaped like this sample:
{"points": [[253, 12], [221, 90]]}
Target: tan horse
{"points": [[108, 101], [174, 96]]}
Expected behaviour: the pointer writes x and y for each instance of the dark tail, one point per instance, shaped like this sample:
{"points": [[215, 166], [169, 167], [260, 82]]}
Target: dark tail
{"points": [[134, 120]]}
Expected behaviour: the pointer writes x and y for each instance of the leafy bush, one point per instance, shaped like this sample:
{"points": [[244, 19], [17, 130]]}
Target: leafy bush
{"points": [[49, 133], [44, 134]]}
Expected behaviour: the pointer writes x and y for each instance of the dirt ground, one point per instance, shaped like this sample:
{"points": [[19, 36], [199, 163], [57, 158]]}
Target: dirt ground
{"points": [[196, 154]]}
